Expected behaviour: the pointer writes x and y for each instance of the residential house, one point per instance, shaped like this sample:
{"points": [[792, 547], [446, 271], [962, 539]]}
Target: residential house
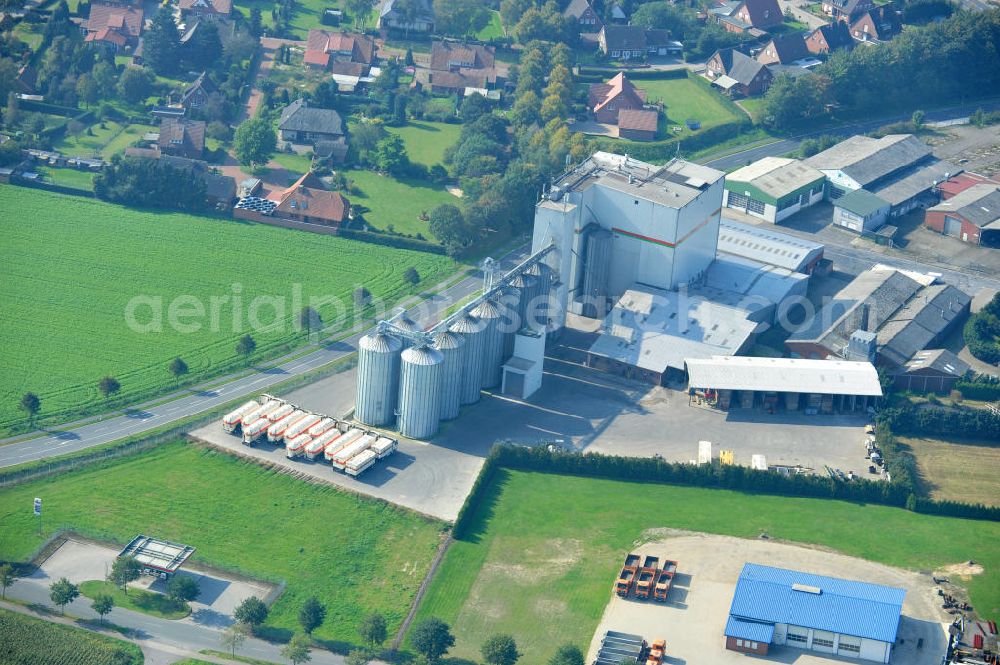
{"points": [[846, 10], [113, 27], [182, 137], [606, 100], [324, 48], [638, 124], [830, 37], [737, 73], [879, 24], [587, 20], [972, 216], [633, 42], [210, 9], [784, 50], [391, 18], [308, 201], [306, 125], [27, 79], [196, 95], [750, 16], [459, 68]]}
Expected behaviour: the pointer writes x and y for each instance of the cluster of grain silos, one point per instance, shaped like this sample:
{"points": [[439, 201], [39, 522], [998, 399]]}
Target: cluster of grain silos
{"points": [[412, 379]]}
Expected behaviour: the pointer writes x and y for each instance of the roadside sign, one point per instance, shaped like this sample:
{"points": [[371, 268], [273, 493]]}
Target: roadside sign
{"points": [[38, 507]]}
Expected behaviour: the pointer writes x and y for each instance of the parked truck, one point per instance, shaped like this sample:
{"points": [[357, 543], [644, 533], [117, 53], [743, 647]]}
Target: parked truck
{"points": [[322, 426], [276, 432], [255, 430], [656, 652], [341, 442], [318, 444], [644, 582], [234, 419], [384, 447], [281, 412], [297, 445], [301, 426], [261, 412], [628, 574], [664, 580], [340, 460], [361, 462]]}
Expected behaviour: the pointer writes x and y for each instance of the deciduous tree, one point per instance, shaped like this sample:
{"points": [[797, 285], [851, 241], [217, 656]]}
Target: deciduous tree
{"points": [[31, 404], [108, 386], [432, 638], [252, 612], [312, 614], [124, 569], [255, 141], [183, 588], [103, 604], [297, 650], [500, 649], [63, 592], [161, 42], [373, 630]]}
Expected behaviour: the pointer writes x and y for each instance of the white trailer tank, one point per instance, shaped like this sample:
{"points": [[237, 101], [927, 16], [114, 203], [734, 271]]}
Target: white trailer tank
{"points": [[255, 430], [340, 460], [301, 426], [342, 442], [234, 419], [281, 412], [384, 447], [321, 426], [262, 412], [361, 462], [276, 432], [318, 445], [296, 446]]}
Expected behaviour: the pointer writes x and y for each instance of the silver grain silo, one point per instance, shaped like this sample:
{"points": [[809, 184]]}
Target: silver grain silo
{"points": [[452, 348], [420, 392], [489, 313], [543, 307], [404, 322], [509, 302], [596, 273], [473, 331], [378, 378], [528, 286]]}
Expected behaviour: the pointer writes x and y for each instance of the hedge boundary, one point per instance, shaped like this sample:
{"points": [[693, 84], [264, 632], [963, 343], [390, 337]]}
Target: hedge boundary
{"points": [[899, 493]]}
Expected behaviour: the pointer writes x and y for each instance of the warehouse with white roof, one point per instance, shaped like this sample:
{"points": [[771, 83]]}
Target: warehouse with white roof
{"points": [[785, 383], [774, 188], [767, 246]]}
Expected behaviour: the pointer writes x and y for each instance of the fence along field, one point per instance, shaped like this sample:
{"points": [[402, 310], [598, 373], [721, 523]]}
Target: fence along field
{"points": [[71, 265], [356, 555]]}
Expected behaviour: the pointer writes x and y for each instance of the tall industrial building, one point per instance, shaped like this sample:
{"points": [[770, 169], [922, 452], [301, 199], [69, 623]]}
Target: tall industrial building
{"points": [[616, 221]]}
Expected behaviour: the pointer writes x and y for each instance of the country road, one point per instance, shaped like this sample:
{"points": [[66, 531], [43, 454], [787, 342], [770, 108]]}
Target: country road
{"points": [[137, 420]]}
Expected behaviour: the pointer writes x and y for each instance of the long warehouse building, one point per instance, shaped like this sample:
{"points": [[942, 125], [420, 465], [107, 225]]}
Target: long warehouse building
{"points": [[789, 383]]}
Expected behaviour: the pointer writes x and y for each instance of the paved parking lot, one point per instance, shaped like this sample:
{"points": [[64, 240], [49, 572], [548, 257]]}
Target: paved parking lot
{"points": [[693, 619], [80, 561]]}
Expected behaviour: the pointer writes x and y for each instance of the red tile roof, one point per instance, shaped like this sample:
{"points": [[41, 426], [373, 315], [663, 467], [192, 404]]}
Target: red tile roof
{"points": [[321, 44], [961, 182], [308, 198], [126, 20], [639, 120], [619, 88]]}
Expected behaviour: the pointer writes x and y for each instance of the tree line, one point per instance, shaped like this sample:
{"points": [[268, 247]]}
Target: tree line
{"points": [[953, 59], [982, 332]]}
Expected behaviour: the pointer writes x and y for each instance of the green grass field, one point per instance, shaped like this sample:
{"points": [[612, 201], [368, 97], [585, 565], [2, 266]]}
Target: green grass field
{"points": [[397, 202], [307, 15], [493, 30], [71, 265], [356, 555], [68, 177], [139, 600], [104, 141], [684, 99], [753, 106], [30, 641], [542, 563], [957, 470], [427, 141]]}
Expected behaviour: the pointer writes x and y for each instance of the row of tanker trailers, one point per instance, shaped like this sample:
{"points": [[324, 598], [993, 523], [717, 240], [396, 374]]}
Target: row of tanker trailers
{"points": [[346, 447]]}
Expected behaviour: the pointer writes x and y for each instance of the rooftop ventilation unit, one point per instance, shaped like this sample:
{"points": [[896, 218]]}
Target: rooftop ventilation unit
{"points": [[804, 588]]}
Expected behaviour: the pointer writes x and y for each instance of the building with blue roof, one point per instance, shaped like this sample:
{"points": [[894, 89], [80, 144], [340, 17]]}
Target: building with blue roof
{"points": [[814, 612]]}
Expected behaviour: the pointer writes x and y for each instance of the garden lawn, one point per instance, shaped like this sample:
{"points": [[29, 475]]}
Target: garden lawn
{"points": [[308, 15], [292, 161], [126, 137], [493, 30], [71, 265], [89, 144], [25, 639], [68, 177], [543, 562], [753, 106], [427, 141], [684, 99], [138, 600], [356, 555], [396, 202]]}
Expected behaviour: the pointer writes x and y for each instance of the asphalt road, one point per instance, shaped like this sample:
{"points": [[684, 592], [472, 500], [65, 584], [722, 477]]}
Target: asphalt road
{"points": [[783, 147], [138, 420]]}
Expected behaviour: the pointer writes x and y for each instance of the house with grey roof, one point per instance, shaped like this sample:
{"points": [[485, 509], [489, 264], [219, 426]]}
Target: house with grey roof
{"points": [[305, 125], [905, 316], [391, 18], [737, 74]]}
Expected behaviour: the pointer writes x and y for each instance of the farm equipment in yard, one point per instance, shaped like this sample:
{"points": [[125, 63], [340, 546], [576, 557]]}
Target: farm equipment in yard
{"points": [[656, 652], [627, 577]]}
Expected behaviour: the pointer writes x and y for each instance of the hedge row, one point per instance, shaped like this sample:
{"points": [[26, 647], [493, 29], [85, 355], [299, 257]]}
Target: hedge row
{"points": [[52, 187], [399, 242], [634, 74], [986, 392], [898, 493], [959, 422], [666, 149]]}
